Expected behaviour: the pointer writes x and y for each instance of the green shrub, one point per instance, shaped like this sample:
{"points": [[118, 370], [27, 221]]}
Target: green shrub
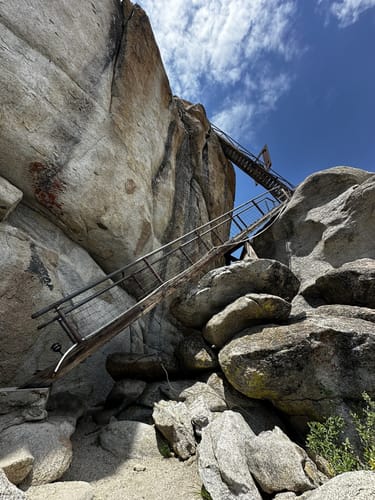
{"points": [[365, 426], [326, 439], [204, 494]]}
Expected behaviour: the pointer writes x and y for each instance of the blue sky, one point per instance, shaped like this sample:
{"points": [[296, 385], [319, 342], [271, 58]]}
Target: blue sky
{"points": [[298, 75]]}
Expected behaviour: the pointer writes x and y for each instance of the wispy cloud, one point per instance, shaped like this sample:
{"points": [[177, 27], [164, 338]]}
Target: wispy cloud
{"points": [[213, 49], [347, 12]]}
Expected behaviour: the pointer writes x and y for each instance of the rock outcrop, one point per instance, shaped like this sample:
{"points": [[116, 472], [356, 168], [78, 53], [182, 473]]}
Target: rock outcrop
{"points": [[246, 311], [359, 485], [222, 286], [223, 460], [109, 165], [94, 133], [47, 442], [277, 464], [305, 368], [352, 284], [40, 265], [329, 221]]}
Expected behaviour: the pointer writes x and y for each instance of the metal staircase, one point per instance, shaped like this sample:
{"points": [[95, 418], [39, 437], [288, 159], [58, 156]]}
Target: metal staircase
{"points": [[93, 315], [253, 166]]}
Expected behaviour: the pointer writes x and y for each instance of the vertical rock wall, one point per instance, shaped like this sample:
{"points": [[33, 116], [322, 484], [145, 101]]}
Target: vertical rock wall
{"points": [[94, 137], [110, 164]]}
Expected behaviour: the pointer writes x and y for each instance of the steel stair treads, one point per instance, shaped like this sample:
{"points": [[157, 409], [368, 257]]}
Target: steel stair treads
{"points": [[160, 273]]}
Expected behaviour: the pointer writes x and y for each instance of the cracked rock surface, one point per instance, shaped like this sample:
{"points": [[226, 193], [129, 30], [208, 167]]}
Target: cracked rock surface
{"points": [[305, 367]]}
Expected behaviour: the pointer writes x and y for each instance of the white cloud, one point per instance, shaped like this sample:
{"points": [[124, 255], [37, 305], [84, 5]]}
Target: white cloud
{"points": [[220, 47], [347, 12]]}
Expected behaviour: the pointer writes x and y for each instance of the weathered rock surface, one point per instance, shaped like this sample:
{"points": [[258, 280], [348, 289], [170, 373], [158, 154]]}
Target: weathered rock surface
{"points": [[122, 365], [359, 485], [173, 420], [304, 368], [124, 393], [259, 415], [221, 286], [353, 284], [47, 442], [345, 311], [10, 196], [39, 265], [129, 439], [329, 221], [22, 405], [194, 354], [63, 490], [246, 311], [16, 464], [222, 459], [31, 401], [277, 464], [8, 491], [213, 399], [91, 117]]}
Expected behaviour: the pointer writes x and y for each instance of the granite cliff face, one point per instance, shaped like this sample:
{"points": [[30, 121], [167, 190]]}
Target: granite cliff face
{"points": [[94, 138], [110, 164]]}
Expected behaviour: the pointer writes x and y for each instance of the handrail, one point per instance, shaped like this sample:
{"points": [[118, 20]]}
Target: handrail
{"points": [[140, 259], [85, 346], [252, 157]]}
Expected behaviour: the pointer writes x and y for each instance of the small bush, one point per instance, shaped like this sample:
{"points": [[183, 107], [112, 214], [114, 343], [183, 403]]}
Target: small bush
{"points": [[326, 439], [204, 494]]}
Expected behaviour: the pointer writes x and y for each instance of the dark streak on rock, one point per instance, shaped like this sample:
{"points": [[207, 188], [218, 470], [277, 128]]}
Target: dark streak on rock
{"points": [[165, 165], [118, 36], [37, 267]]}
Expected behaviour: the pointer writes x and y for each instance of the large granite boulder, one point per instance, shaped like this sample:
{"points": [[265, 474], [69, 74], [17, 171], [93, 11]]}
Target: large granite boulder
{"points": [[173, 420], [221, 286], [358, 484], [121, 365], [246, 311], [222, 459], [329, 221], [352, 283], [305, 368], [47, 442], [91, 117], [344, 310], [277, 464]]}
